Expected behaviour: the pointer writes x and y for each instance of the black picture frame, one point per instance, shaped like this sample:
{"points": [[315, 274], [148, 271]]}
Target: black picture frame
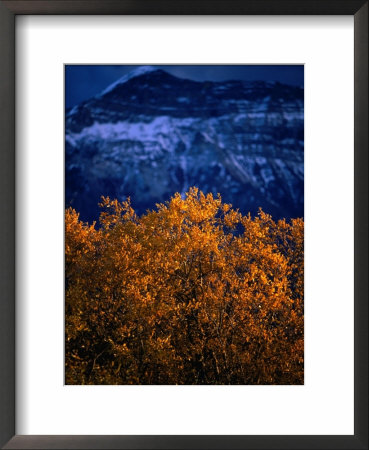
{"points": [[8, 12]]}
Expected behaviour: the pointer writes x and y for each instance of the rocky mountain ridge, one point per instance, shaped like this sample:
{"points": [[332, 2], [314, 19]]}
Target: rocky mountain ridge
{"points": [[151, 134]]}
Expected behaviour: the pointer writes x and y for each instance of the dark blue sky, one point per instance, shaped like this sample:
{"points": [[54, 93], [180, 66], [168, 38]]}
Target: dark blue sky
{"points": [[85, 81]]}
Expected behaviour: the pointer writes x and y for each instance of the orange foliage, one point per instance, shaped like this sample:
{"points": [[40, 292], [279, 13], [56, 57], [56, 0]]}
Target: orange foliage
{"points": [[191, 293]]}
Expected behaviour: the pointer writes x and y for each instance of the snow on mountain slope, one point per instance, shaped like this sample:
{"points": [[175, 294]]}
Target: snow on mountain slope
{"points": [[151, 134], [142, 70]]}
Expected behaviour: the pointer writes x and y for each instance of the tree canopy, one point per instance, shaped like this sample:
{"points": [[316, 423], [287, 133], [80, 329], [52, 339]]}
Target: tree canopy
{"points": [[192, 292]]}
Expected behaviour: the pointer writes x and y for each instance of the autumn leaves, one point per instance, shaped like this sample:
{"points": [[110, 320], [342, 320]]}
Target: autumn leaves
{"points": [[191, 293]]}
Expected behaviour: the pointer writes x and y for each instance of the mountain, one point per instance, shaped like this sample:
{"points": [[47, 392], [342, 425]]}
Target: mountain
{"points": [[151, 134]]}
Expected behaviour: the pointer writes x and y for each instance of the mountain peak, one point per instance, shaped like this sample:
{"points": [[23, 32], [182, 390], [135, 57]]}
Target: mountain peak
{"points": [[138, 72]]}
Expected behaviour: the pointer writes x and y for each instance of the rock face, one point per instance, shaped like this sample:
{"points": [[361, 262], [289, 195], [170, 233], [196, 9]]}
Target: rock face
{"points": [[151, 134]]}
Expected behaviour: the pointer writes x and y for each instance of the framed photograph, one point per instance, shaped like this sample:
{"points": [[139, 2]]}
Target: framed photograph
{"points": [[184, 224]]}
